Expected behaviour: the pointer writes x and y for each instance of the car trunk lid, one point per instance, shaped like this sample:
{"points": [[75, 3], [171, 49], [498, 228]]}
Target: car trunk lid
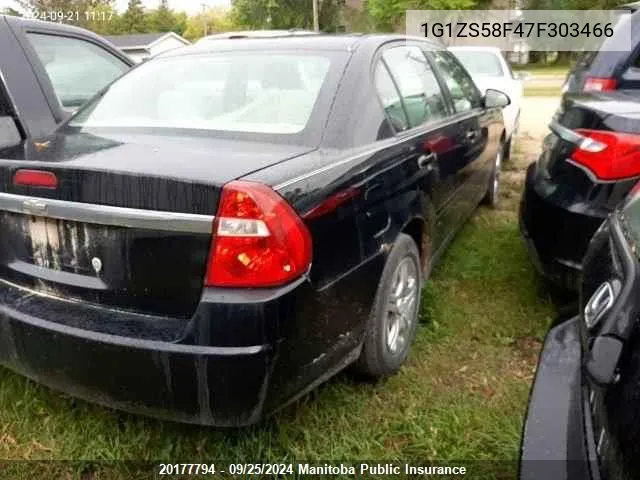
{"points": [[129, 224], [607, 112]]}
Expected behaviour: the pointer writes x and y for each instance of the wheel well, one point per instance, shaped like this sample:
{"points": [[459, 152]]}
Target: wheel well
{"points": [[417, 231]]}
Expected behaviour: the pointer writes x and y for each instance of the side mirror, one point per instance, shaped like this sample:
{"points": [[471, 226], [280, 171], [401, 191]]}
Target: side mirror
{"points": [[496, 99], [524, 76]]}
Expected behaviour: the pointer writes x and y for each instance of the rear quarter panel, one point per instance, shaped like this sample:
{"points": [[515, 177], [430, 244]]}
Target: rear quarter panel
{"points": [[380, 194]]}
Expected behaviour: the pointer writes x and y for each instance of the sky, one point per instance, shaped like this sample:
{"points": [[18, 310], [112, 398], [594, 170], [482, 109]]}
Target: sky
{"points": [[190, 6]]}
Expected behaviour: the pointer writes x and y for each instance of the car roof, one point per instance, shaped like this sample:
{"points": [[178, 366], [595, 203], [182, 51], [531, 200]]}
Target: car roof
{"points": [[257, 33], [319, 42]]}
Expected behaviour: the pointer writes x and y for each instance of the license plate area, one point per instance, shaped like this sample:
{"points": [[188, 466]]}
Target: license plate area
{"points": [[147, 271], [62, 245]]}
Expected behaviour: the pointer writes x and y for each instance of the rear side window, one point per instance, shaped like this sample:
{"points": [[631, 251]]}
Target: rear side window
{"points": [[464, 92], [421, 93], [77, 69], [390, 98]]}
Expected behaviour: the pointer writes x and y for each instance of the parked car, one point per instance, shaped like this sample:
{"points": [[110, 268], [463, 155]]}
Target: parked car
{"points": [[582, 421], [256, 34], [489, 69], [47, 71], [210, 255], [587, 166], [614, 66]]}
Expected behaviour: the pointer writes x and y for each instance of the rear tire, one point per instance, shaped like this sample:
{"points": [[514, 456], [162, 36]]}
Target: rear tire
{"points": [[392, 325], [492, 197]]}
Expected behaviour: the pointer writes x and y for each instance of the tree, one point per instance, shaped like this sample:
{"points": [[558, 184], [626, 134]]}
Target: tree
{"points": [[103, 19], [217, 20], [285, 14], [162, 19], [389, 15], [134, 20]]}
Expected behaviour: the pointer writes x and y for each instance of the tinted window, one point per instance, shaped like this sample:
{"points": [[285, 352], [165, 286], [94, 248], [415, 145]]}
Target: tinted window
{"points": [[480, 63], [421, 94], [390, 98], [78, 69], [463, 91]]}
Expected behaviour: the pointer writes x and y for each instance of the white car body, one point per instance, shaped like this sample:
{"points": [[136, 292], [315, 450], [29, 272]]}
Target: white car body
{"points": [[489, 69]]}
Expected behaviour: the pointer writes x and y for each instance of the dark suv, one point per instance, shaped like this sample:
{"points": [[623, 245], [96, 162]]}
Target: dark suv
{"points": [[607, 69]]}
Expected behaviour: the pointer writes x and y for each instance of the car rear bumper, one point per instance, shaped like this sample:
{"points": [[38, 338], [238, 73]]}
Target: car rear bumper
{"points": [[557, 436], [224, 386], [557, 231], [243, 354]]}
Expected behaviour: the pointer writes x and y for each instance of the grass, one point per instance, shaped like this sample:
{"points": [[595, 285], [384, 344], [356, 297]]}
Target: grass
{"points": [[542, 90], [540, 69], [461, 398]]}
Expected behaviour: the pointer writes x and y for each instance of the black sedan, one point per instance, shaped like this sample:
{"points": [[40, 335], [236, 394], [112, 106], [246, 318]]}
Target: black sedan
{"points": [[230, 224], [588, 164], [583, 418]]}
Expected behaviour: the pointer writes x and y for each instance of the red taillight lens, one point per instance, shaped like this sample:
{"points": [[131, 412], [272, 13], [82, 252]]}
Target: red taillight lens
{"points": [[600, 84], [35, 178], [609, 156], [258, 239]]}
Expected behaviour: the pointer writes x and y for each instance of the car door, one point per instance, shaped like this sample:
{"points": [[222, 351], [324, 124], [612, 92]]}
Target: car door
{"points": [[473, 167], [71, 66], [422, 117]]}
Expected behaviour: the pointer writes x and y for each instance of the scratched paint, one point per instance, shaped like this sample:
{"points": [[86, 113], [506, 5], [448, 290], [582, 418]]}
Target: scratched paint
{"points": [[39, 241]]}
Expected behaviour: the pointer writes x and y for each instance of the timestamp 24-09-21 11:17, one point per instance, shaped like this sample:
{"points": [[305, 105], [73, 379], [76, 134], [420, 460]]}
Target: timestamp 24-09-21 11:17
{"points": [[70, 16]]}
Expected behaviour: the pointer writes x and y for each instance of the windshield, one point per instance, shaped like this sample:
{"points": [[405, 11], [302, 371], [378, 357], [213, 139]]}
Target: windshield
{"points": [[480, 63], [250, 92]]}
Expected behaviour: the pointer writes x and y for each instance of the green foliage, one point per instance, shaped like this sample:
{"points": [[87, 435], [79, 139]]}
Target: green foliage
{"points": [[216, 20], [134, 20], [389, 15], [285, 14]]}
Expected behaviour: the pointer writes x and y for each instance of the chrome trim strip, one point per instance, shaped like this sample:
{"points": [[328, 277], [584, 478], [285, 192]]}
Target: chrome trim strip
{"points": [[397, 139], [107, 215], [326, 168]]}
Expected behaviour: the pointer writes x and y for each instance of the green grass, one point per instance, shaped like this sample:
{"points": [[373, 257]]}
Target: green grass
{"points": [[542, 69], [461, 397], [542, 90]]}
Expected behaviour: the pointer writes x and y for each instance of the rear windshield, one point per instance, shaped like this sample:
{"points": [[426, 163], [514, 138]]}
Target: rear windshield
{"points": [[263, 93], [480, 63]]}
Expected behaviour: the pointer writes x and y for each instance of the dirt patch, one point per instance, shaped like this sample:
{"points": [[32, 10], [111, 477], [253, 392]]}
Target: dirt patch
{"points": [[535, 116]]}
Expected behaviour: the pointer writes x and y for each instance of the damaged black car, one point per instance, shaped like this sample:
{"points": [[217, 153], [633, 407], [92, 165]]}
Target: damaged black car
{"points": [[230, 224]]}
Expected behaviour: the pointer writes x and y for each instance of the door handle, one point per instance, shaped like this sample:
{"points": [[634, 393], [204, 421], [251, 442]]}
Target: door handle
{"points": [[426, 160], [472, 135]]}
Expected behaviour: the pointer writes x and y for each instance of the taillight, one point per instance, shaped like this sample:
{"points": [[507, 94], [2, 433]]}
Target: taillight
{"points": [[608, 156], [600, 84], [35, 178], [258, 239]]}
